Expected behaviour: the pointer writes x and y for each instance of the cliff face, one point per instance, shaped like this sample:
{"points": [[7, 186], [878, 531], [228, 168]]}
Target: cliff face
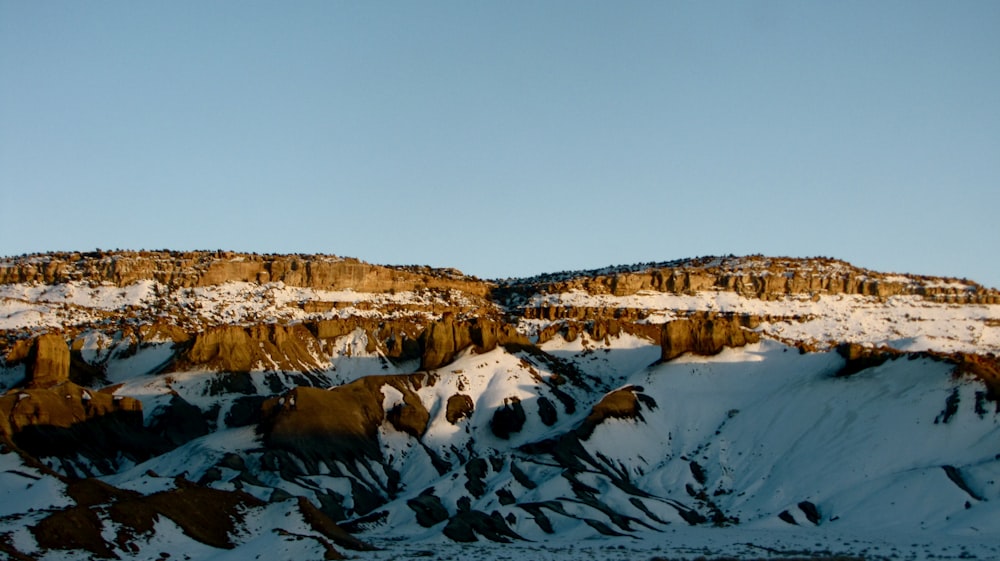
{"points": [[706, 334], [404, 399], [289, 309], [443, 340], [50, 411], [234, 348], [194, 269], [758, 277], [342, 424]]}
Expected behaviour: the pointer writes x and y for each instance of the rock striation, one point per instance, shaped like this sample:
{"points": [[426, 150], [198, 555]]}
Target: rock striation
{"points": [[445, 339], [706, 334], [206, 268], [757, 277], [233, 348]]}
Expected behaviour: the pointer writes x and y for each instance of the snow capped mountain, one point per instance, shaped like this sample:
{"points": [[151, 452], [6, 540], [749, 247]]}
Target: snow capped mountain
{"points": [[219, 405]]}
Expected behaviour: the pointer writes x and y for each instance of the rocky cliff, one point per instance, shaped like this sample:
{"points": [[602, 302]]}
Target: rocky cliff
{"points": [[204, 268], [758, 277], [414, 401], [706, 334]]}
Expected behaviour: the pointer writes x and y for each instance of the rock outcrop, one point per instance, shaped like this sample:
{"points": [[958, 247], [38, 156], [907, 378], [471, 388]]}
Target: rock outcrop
{"points": [[623, 403], [48, 362], [61, 406], [859, 357], [706, 334], [754, 276], [207, 515], [204, 268], [299, 347], [233, 348], [341, 424], [445, 339], [459, 406], [985, 368]]}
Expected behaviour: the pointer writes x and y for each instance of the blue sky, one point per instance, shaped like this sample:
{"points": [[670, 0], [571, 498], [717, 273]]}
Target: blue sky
{"points": [[507, 138]]}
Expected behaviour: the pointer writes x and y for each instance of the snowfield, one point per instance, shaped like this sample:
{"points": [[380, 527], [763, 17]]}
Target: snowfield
{"points": [[768, 427], [28, 306], [906, 323]]}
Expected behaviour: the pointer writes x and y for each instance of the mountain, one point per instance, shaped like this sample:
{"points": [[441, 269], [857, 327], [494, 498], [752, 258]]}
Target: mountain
{"points": [[217, 405]]}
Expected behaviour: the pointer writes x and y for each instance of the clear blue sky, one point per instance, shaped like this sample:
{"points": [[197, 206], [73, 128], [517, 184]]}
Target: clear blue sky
{"points": [[507, 138]]}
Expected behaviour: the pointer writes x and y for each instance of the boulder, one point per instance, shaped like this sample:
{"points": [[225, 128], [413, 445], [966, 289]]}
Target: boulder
{"points": [[459, 407]]}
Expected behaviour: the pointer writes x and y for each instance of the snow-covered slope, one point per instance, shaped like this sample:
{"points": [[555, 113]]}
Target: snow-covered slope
{"points": [[909, 323], [560, 410]]}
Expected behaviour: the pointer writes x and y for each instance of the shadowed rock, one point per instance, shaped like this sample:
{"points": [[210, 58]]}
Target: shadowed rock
{"points": [[508, 419], [342, 423]]}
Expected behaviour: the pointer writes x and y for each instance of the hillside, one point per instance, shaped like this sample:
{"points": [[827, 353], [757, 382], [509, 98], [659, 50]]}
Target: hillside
{"points": [[216, 403]]}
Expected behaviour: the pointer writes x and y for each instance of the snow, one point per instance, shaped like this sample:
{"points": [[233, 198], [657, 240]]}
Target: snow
{"points": [[36, 306], [349, 359], [11, 376], [611, 361], [769, 426], [23, 488], [192, 459], [908, 323], [147, 360], [692, 543]]}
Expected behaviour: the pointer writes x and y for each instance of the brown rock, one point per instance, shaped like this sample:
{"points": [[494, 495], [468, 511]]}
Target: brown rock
{"points": [[48, 363], [340, 423], [622, 403], [163, 331], [227, 348], [19, 351], [232, 348], [445, 339], [62, 406], [442, 341], [203, 268], [322, 524], [459, 407], [705, 334], [410, 416], [986, 368], [768, 278]]}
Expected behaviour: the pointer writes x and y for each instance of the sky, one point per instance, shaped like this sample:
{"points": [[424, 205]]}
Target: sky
{"points": [[507, 138]]}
